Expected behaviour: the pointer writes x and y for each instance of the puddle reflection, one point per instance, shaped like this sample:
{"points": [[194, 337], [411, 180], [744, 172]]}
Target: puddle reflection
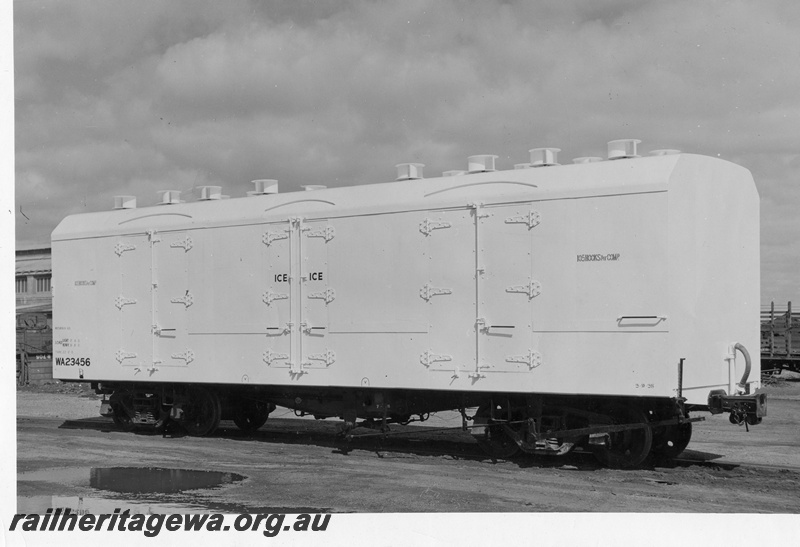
{"points": [[140, 489], [137, 480]]}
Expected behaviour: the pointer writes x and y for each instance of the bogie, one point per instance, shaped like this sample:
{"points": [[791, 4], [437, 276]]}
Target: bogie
{"points": [[250, 414], [630, 447], [202, 412], [670, 441]]}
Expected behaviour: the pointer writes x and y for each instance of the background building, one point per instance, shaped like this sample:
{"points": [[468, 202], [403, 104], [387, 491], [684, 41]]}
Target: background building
{"points": [[34, 303]]}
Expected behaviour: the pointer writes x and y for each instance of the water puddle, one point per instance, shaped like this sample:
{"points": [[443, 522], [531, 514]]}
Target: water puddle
{"points": [[140, 489], [136, 480]]}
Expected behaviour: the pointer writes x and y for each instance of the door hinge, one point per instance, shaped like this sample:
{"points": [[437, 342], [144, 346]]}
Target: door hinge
{"points": [[328, 295], [428, 358], [187, 299], [269, 357], [120, 248], [187, 356], [121, 301], [427, 292], [185, 243], [326, 233], [269, 297], [531, 220], [533, 359], [532, 289], [328, 358], [122, 355], [275, 235], [428, 225]]}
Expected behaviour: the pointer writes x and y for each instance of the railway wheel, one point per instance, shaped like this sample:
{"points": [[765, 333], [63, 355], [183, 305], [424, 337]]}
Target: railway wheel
{"points": [[626, 449], [249, 415], [202, 413], [671, 440], [494, 440], [122, 407]]}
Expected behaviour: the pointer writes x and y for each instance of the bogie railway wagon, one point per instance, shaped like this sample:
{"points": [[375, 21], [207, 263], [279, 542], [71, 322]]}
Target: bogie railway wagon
{"points": [[600, 304], [780, 339]]}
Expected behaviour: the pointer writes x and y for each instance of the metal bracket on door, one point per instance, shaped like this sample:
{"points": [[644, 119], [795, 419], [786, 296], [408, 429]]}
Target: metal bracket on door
{"points": [[158, 330], [187, 299], [326, 233], [427, 292], [533, 359], [269, 357], [120, 248], [478, 208], [121, 301], [428, 358], [187, 356], [185, 243], [280, 331], [269, 297], [328, 295], [328, 358], [122, 355], [428, 225], [477, 375], [531, 220], [275, 235], [532, 289]]}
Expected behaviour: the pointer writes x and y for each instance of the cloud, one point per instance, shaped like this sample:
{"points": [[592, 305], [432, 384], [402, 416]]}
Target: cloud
{"points": [[139, 96]]}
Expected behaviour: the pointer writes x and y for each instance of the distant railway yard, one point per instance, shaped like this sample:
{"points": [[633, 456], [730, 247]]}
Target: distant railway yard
{"points": [[69, 456]]}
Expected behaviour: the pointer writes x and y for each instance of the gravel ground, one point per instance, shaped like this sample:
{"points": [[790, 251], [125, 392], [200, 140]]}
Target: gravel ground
{"points": [[395, 485], [58, 400]]}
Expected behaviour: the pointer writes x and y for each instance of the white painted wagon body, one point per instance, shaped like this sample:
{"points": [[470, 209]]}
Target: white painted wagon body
{"points": [[591, 278]]}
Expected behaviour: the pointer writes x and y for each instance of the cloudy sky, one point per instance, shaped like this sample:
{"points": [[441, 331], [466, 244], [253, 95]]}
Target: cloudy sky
{"points": [[120, 97]]}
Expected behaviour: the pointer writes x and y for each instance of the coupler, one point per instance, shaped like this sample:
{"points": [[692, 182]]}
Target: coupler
{"points": [[746, 409]]}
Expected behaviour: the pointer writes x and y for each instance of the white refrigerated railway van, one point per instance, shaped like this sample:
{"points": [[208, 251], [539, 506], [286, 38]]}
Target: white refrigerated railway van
{"points": [[631, 279]]}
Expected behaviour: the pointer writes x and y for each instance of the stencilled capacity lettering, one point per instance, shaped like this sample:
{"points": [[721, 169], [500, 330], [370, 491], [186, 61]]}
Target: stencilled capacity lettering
{"points": [[610, 257]]}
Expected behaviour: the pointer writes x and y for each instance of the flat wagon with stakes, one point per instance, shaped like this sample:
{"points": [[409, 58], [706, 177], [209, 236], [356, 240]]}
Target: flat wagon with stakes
{"points": [[601, 304], [780, 339]]}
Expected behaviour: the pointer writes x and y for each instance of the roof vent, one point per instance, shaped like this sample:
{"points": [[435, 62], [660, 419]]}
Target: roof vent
{"points": [[453, 173], [264, 186], [522, 166], [587, 159], [124, 202], [170, 197], [409, 171], [210, 192], [622, 148], [541, 157], [665, 152], [312, 187], [481, 163]]}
